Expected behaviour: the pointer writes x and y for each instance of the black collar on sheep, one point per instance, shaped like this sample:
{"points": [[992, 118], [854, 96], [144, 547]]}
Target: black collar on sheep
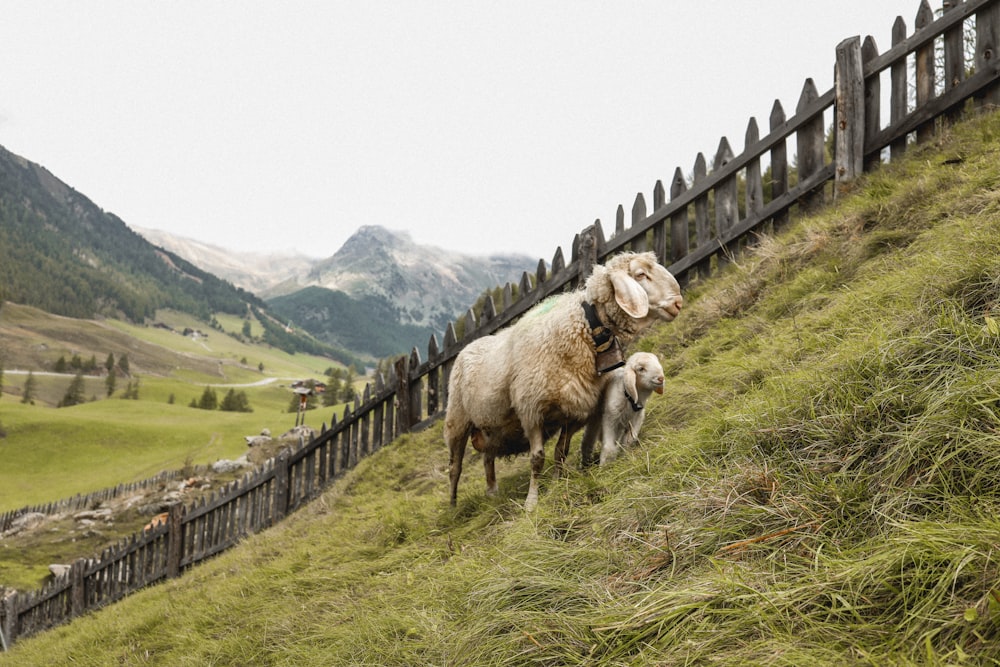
{"points": [[636, 405], [609, 352]]}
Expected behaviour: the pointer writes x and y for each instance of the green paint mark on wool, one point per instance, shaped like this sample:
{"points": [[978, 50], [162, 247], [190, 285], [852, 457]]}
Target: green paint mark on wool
{"points": [[543, 307]]}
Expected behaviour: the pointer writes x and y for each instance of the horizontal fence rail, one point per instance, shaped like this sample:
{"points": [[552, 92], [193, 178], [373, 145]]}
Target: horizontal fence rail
{"points": [[703, 225]]}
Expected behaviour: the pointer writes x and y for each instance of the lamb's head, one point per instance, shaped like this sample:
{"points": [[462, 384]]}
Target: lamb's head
{"points": [[643, 374], [639, 286]]}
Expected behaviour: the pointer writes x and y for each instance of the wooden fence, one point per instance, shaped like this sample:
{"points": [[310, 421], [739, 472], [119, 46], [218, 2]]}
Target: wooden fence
{"points": [[696, 232], [94, 499]]}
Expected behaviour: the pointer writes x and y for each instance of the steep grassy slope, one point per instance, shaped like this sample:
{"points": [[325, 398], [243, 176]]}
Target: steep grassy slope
{"points": [[818, 485]]}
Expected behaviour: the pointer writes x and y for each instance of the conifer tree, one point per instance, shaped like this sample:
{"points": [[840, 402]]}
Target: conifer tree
{"points": [[28, 393], [74, 393]]}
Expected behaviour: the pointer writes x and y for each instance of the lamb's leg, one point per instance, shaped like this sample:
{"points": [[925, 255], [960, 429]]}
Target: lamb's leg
{"points": [[456, 445], [609, 446], [537, 449]]}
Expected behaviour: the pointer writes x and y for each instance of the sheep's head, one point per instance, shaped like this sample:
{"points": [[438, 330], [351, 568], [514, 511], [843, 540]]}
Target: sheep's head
{"points": [[641, 287]]}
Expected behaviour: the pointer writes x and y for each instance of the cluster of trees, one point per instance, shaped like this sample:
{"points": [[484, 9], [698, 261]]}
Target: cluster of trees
{"points": [[89, 366], [233, 401]]}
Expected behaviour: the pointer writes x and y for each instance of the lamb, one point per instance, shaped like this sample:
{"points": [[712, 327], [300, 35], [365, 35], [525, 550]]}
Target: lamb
{"points": [[513, 390], [623, 406]]}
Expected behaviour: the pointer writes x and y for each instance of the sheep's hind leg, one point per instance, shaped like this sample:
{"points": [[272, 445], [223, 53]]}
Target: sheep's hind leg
{"points": [[537, 463], [562, 448], [456, 444]]}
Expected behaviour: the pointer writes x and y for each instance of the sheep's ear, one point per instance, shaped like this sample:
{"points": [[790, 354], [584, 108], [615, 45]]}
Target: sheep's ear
{"points": [[630, 384], [629, 294]]}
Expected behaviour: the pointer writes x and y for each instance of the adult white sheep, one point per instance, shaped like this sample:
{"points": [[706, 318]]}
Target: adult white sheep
{"points": [[545, 372], [623, 406]]}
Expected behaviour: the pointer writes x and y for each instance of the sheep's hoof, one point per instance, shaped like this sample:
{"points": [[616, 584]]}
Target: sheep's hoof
{"points": [[530, 502], [491, 490]]}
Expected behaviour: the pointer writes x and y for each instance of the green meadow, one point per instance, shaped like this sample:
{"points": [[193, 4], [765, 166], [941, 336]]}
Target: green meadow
{"points": [[51, 453], [818, 485]]}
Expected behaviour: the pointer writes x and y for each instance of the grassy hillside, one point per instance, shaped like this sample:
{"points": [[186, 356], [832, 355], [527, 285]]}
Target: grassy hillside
{"points": [[818, 485]]}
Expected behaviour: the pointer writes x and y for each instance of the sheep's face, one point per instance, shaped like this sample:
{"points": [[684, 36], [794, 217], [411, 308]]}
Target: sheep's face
{"points": [[648, 371], [662, 289], [644, 291]]}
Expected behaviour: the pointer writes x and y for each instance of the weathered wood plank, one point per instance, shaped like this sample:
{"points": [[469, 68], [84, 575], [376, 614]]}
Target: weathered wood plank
{"points": [[987, 53], [849, 120], [897, 96], [873, 104], [954, 60], [809, 142], [679, 224], [924, 70], [660, 229], [703, 230], [638, 216], [779, 164], [726, 208], [754, 181]]}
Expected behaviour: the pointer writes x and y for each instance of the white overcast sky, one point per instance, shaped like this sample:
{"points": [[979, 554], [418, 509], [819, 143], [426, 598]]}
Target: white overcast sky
{"points": [[475, 126]]}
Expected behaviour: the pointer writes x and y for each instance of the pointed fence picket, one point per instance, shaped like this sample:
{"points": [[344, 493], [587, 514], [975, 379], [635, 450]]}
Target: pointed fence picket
{"points": [[697, 231]]}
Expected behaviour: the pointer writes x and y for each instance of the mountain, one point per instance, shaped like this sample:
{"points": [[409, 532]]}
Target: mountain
{"points": [[62, 253], [256, 272], [380, 294], [428, 286]]}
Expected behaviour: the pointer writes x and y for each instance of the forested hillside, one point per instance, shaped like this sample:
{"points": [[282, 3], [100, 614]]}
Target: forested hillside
{"points": [[371, 326], [60, 252]]}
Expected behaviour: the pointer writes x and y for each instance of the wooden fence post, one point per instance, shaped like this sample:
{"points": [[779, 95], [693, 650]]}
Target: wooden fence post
{"points": [[175, 539], [873, 104], [587, 252], [402, 366], [280, 485], [924, 71], [809, 142], [987, 38], [779, 164], [727, 211], [897, 94], [9, 629], [679, 225], [77, 591], [849, 124]]}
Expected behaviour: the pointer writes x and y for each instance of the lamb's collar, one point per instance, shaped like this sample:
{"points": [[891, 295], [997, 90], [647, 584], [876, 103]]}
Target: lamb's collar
{"points": [[636, 405], [609, 352]]}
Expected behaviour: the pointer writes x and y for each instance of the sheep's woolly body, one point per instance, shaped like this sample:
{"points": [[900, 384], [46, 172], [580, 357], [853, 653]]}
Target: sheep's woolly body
{"points": [[512, 389]]}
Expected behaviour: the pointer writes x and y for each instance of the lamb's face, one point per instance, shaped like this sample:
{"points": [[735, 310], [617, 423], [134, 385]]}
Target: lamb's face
{"points": [[648, 371], [661, 287]]}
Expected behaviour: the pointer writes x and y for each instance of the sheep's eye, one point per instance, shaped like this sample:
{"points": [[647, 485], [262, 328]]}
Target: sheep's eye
{"points": [[639, 275]]}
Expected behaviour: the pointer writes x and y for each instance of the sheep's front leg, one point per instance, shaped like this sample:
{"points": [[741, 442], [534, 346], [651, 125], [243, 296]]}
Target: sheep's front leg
{"points": [[537, 448]]}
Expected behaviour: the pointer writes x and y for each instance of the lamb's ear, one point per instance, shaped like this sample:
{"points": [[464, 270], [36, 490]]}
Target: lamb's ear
{"points": [[629, 381], [629, 294]]}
